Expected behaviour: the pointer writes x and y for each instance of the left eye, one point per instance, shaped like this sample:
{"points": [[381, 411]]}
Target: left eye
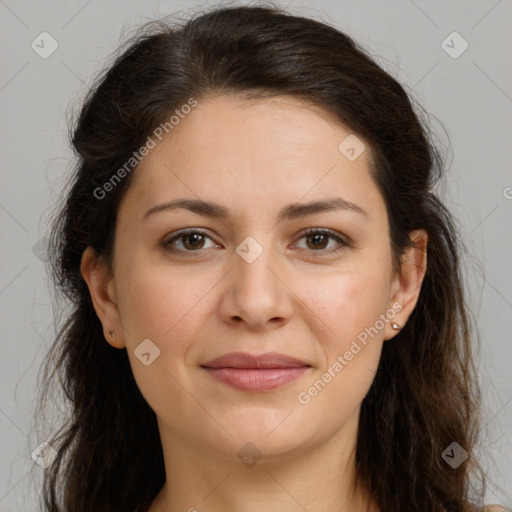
{"points": [[320, 237], [193, 241]]}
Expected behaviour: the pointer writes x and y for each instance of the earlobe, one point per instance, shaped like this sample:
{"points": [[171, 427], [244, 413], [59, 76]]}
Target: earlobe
{"points": [[409, 281], [101, 288]]}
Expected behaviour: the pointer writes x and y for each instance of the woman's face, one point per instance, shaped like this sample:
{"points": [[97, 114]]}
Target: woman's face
{"points": [[253, 281]]}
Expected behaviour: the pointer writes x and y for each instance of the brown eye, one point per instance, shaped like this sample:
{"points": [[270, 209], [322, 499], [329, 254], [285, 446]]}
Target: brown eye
{"points": [[193, 240], [318, 240], [190, 241]]}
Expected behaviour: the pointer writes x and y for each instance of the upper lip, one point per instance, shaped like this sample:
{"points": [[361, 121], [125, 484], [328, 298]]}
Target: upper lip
{"points": [[242, 360]]}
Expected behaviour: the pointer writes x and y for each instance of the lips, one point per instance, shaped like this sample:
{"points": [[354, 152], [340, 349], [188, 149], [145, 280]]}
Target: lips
{"points": [[264, 372], [242, 360]]}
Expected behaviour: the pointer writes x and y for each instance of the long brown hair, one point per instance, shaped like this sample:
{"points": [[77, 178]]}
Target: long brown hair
{"points": [[425, 394]]}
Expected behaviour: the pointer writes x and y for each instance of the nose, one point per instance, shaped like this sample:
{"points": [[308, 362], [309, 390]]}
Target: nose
{"points": [[256, 292]]}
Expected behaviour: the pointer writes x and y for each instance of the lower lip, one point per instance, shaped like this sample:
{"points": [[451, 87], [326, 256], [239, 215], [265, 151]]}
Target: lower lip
{"points": [[262, 379]]}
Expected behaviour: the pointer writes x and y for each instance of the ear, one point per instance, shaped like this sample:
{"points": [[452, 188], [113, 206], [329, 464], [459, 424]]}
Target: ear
{"points": [[408, 280], [102, 290]]}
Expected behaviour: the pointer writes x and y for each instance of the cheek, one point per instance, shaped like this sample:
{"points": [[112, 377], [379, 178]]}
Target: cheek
{"points": [[351, 350], [157, 307], [164, 306], [161, 302], [143, 298], [347, 302]]}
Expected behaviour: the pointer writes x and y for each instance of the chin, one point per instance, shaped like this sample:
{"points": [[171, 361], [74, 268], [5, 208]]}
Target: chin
{"points": [[266, 436]]}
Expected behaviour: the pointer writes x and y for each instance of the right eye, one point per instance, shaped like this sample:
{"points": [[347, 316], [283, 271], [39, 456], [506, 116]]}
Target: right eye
{"points": [[192, 240]]}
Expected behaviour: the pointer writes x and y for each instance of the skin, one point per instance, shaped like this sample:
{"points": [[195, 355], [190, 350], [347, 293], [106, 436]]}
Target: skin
{"points": [[254, 158]]}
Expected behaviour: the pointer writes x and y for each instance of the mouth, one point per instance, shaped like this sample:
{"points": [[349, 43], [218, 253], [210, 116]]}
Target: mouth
{"points": [[265, 372]]}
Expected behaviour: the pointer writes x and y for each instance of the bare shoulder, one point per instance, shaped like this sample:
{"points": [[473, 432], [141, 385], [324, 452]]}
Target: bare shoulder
{"points": [[495, 508]]}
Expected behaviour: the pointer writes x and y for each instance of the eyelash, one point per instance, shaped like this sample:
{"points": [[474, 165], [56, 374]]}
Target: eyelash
{"points": [[312, 231]]}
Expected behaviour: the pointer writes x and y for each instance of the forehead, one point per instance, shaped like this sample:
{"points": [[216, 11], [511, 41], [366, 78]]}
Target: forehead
{"points": [[283, 123], [278, 149]]}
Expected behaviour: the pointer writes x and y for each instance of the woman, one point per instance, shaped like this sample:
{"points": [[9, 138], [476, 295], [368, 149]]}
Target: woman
{"points": [[267, 305]]}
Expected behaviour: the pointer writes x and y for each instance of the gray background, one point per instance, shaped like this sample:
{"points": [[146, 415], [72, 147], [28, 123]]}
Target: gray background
{"points": [[471, 96]]}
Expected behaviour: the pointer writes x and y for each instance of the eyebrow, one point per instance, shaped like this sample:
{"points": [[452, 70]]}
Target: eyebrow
{"points": [[290, 212]]}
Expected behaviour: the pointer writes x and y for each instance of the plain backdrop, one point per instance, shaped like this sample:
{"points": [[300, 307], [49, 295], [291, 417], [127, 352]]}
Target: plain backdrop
{"points": [[468, 94]]}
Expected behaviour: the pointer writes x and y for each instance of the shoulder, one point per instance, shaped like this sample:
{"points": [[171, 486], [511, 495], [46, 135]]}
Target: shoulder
{"points": [[495, 508]]}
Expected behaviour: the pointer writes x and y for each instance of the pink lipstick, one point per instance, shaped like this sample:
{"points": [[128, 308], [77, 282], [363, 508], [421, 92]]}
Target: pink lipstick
{"points": [[263, 372]]}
